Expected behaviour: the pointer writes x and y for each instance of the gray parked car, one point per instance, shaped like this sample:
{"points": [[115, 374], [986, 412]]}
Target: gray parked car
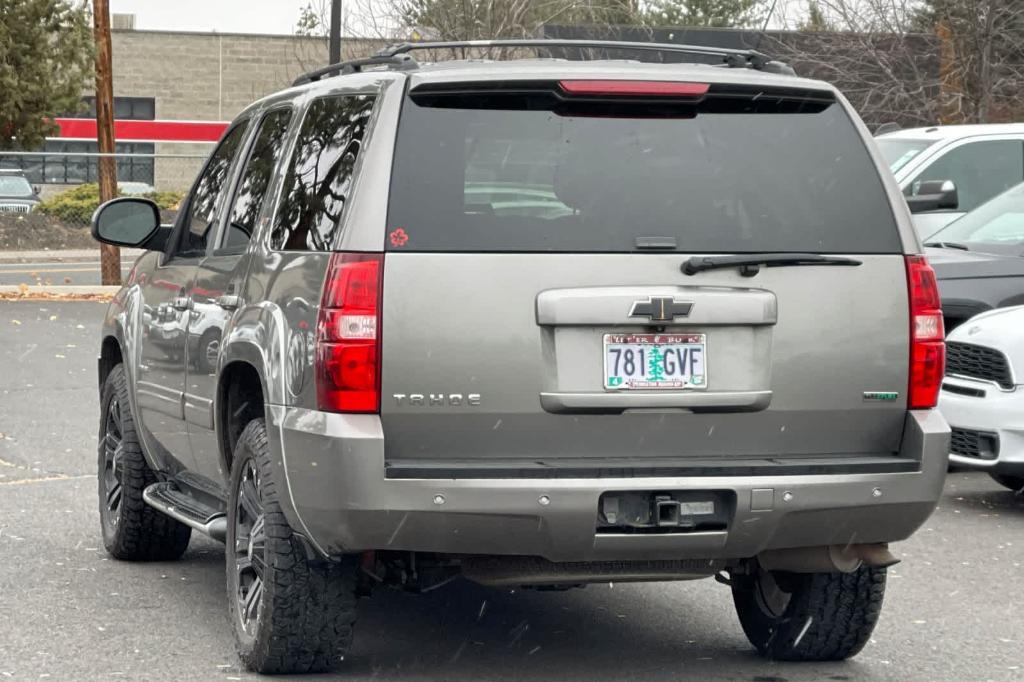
{"points": [[979, 258], [534, 322]]}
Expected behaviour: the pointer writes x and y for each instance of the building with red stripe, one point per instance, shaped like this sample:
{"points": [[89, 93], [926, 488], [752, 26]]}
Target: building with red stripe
{"points": [[174, 93], [144, 131]]}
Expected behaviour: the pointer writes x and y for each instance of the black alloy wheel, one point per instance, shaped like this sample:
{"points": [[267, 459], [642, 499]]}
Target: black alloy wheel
{"points": [[250, 547], [113, 463]]}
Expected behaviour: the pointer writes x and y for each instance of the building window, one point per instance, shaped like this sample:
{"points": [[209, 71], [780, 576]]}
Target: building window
{"points": [[60, 168], [125, 108]]}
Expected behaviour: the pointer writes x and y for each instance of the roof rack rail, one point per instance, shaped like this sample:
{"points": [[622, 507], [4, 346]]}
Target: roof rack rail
{"points": [[399, 62], [734, 58]]}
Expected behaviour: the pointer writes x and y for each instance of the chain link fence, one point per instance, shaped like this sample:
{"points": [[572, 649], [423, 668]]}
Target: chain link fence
{"points": [[47, 198]]}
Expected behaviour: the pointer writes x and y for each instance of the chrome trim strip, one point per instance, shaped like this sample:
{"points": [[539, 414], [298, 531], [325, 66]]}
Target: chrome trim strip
{"points": [[159, 399], [740, 401], [199, 411], [712, 306]]}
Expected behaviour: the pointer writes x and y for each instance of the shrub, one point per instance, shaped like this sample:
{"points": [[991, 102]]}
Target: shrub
{"points": [[77, 204]]}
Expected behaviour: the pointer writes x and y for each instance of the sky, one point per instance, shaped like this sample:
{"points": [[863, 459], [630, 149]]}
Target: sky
{"points": [[225, 16]]}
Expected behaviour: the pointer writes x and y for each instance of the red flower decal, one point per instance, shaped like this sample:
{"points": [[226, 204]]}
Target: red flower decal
{"points": [[398, 237]]}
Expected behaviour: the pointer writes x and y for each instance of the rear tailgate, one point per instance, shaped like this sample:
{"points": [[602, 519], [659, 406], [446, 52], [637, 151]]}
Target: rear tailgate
{"points": [[536, 237]]}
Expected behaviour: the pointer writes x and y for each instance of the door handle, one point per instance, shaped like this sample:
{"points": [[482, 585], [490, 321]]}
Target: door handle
{"points": [[228, 301], [182, 303]]}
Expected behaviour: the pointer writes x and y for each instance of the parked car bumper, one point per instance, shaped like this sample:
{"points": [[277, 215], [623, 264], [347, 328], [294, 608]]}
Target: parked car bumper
{"points": [[997, 418], [337, 493]]}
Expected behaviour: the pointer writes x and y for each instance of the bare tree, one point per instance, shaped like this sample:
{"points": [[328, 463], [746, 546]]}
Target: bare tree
{"points": [[916, 62], [469, 19], [871, 51], [984, 43], [385, 21]]}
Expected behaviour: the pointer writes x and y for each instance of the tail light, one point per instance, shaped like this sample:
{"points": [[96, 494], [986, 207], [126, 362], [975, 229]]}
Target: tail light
{"points": [[927, 334], [634, 88], [348, 334]]}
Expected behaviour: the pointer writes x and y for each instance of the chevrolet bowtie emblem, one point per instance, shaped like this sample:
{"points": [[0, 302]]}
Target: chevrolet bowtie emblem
{"points": [[661, 308]]}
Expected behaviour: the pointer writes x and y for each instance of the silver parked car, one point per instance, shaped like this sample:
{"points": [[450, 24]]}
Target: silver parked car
{"points": [[533, 322]]}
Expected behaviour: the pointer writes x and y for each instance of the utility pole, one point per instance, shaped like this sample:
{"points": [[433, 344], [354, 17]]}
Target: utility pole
{"points": [[110, 256], [334, 51]]}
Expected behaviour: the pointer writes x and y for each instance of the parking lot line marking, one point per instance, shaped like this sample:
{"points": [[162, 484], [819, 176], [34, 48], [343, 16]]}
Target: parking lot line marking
{"points": [[46, 479]]}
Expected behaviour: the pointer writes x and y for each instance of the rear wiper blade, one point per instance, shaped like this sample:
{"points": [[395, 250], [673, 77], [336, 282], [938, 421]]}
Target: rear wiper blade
{"points": [[750, 263], [948, 245]]}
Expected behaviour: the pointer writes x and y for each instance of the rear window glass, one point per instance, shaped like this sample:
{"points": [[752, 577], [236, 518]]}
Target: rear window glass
{"points": [[723, 179], [321, 173]]}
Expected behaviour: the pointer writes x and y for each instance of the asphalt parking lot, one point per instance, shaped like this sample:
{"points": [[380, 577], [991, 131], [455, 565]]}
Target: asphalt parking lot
{"points": [[954, 608]]}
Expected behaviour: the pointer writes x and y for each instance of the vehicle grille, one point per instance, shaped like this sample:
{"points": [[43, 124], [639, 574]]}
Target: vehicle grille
{"points": [[975, 444], [978, 362], [14, 208]]}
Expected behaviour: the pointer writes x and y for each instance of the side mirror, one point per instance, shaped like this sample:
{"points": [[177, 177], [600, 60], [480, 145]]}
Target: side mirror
{"points": [[934, 195], [127, 221], [35, 190]]}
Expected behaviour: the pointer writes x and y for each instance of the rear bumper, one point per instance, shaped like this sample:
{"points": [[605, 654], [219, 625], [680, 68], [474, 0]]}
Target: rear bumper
{"points": [[337, 494], [998, 415]]}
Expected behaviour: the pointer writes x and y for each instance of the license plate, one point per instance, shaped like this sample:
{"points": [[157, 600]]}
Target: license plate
{"points": [[655, 361]]}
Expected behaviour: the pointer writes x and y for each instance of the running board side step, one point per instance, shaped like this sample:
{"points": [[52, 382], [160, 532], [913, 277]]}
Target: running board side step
{"points": [[165, 497]]}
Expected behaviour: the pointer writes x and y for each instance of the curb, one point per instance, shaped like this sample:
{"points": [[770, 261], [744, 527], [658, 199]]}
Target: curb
{"points": [[20, 292], [128, 256]]}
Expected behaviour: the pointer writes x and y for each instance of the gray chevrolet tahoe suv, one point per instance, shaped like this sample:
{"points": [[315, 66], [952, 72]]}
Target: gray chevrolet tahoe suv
{"points": [[538, 322]]}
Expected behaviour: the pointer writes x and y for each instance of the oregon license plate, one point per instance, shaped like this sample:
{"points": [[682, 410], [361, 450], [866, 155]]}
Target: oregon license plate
{"points": [[655, 361]]}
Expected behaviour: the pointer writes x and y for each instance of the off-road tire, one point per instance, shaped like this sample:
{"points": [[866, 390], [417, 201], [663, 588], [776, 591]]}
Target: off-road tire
{"points": [[1014, 483], [828, 617], [306, 607], [132, 530]]}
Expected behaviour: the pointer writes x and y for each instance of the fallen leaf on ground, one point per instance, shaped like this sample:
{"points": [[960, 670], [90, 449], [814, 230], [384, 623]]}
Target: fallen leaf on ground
{"points": [[26, 295]]}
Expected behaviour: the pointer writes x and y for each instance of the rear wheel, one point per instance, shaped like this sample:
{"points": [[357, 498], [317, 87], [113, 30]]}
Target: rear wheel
{"points": [[290, 613], [1014, 483], [132, 530], [809, 616]]}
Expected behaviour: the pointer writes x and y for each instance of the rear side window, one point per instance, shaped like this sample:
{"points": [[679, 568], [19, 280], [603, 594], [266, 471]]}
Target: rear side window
{"points": [[320, 174], [252, 189], [482, 173]]}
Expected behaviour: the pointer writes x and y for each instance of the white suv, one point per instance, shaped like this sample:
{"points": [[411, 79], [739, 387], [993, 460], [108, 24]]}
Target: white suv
{"points": [[980, 161]]}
